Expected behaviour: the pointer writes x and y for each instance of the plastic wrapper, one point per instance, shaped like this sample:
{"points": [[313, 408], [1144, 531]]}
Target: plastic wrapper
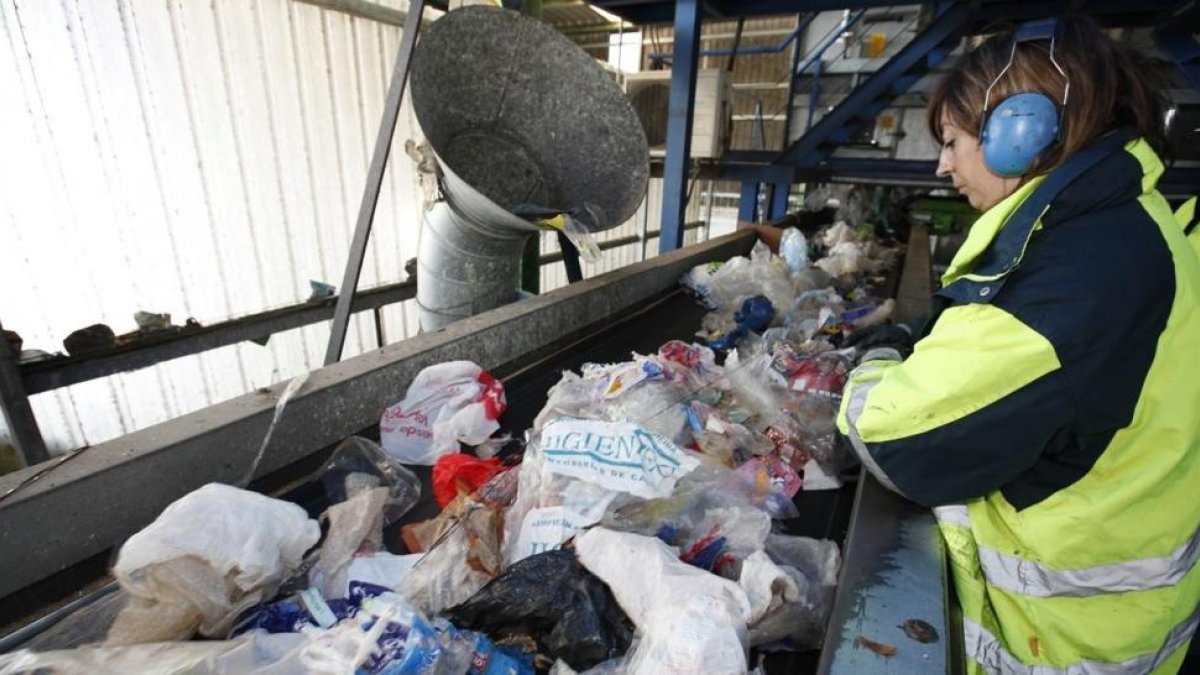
{"points": [[648, 391], [387, 636], [206, 558], [583, 240], [446, 404], [575, 469], [461, 474], [462, 552], [359, 464], [845, 259], [549, 597], [740, 278], [689, 621], [355, 526], [793, 247], [837, 234], [710, 504]]}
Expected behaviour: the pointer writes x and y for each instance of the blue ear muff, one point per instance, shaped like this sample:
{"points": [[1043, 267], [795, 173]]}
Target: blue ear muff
{"points": [[1019, 129]]}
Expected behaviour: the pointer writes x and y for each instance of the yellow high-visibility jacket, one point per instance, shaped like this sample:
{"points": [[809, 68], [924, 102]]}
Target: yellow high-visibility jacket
{"points": [[1052, 415]]}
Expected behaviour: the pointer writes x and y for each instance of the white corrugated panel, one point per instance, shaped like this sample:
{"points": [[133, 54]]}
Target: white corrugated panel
{"points": [[206, 159], [200, 158]]}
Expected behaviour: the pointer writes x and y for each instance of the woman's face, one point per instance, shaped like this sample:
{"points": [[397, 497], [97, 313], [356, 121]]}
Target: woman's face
{"points": [[962, 161]]}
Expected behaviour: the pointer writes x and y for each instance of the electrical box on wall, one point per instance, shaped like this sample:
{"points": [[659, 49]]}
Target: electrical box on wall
{"points": [[650, 94]]}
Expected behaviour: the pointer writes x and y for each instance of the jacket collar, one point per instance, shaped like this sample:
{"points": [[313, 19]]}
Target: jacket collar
{"points": [[1115, 169]]}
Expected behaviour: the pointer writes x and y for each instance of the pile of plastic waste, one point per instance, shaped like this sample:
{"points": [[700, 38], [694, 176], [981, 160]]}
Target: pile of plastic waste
{"points": [[635, 531]]}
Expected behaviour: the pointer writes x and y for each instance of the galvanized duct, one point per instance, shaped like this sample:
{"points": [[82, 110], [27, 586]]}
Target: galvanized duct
{"points": [[522, 121]]}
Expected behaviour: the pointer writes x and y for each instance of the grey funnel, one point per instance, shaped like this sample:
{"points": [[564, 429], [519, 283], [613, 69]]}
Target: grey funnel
{"points": [[522, 121]]}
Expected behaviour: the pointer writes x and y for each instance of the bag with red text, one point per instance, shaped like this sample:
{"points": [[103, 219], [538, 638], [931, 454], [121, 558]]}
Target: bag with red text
{"points": [[446, 404]]}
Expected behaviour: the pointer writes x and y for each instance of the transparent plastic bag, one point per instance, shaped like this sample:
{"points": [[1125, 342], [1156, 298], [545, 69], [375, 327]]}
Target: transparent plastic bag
{"points": [[359, 464], [790, 587], [793, 246]]}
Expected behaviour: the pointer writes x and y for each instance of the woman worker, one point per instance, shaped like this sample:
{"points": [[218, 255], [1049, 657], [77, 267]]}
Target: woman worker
{"points": [[1051, 412]]}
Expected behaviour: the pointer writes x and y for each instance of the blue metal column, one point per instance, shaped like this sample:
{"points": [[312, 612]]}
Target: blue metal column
{"points": [[748, 202], [779, 199], [679, 123]]}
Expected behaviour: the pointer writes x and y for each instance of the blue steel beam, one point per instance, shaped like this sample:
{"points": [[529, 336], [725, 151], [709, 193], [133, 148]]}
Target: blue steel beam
{"points": [[779, 199], [876, 92], [814, 56], [679, 123], [748, 201]]}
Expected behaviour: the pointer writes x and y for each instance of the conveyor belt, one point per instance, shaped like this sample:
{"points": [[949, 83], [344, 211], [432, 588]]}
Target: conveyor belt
{"points": [[644, 329]]}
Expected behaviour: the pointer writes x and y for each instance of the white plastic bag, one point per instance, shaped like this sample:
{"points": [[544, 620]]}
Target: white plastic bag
{"points": [[446, 404], [207, 557], [256, 653], [688, 621]]}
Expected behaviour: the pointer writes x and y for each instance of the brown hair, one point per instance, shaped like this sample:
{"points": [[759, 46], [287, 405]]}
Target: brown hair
{"points": [[1109, 88]]}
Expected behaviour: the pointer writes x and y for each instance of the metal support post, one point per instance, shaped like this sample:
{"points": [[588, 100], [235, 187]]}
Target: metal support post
{"points": [[708, 208], [748, 202], [366, 210], [779, 199], [570, 257], [18, 415], [679, 124], [643, 226]]}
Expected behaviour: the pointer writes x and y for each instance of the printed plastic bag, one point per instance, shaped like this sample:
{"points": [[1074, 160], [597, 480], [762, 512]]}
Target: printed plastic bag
{"points": [[208, 556], [446, 404], [576, 468]]}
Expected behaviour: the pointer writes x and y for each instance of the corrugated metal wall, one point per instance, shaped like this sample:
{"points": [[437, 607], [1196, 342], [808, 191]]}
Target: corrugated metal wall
{"points": [[203, 158]]}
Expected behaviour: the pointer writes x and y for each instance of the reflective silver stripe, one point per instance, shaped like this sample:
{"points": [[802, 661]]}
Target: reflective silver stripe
{"points": [[1027, 577], [988, 651], [952, 514], [858, 401]]}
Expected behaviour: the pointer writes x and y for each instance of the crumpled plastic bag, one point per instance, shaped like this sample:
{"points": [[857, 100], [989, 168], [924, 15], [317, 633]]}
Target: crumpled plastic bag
{"points": [[551, 598], [358, 464], [446, 404], [648, 391], [790, 587], [689, 621], [793, 247], [207, 557], [461, 552], [355, 526], [460, 473]]}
